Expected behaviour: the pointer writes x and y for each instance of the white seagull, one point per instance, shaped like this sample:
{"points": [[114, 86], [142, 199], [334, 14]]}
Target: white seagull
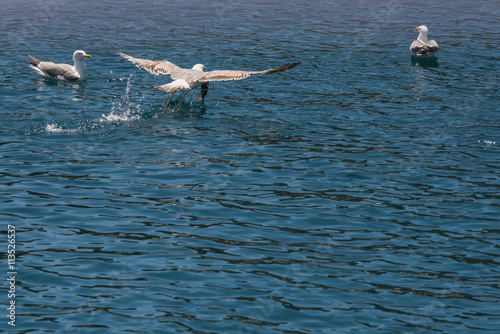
{"points": [[422, 47], [188, 79], [66, 72]]}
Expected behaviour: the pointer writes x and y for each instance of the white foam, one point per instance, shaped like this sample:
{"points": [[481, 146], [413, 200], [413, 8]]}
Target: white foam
{"points": [[121, 117], [125, 111], [488, 142], [54, 128]]}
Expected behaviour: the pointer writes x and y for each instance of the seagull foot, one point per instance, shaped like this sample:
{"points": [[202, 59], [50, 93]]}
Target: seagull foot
{"points": [[204, 91]]}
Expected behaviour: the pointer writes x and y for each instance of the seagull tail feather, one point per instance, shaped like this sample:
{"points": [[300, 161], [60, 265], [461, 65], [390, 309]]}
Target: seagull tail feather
{"points": [[174, 86], [34, 61]]}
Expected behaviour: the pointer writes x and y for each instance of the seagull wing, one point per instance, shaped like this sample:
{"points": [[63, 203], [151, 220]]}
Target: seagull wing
{"points": [[227, 75], [415, 46], [419, 48], [152, 66], [433, 44], [58, 71]]}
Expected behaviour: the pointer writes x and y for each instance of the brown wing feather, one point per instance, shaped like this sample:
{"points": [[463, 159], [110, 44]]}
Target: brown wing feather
{"points": [[226, 75], [279, 69], [153, 66]]}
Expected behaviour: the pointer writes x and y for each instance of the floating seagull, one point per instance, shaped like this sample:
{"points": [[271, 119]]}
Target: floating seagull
{"points": [[422, 47], [188, 79], [77, 72]]}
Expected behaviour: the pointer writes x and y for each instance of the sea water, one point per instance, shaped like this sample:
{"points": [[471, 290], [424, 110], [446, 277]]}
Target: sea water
{"points": [[357, 192]]}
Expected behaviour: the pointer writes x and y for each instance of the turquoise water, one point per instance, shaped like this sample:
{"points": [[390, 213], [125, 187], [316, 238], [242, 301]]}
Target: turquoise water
{"points": [[358, 192]]}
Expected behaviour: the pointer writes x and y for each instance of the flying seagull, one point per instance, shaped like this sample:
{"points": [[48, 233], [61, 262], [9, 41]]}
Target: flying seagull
{"points": [[422, 47], [188, 79], [77, 72]]}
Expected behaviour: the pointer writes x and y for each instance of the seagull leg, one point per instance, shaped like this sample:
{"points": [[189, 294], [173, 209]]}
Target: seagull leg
{"points": [[168, 102], [204, 91], [182, 99]]}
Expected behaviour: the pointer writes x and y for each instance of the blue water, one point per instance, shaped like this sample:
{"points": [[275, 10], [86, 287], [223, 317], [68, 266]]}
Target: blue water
{"points": [[358, 192]]}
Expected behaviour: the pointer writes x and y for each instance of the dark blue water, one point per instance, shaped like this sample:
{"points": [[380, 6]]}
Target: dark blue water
{"points": [[358, 192]]}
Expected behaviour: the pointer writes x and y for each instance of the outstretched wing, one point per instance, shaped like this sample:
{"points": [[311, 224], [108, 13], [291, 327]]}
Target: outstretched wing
{"points": [[152, 66], [227, 75]]}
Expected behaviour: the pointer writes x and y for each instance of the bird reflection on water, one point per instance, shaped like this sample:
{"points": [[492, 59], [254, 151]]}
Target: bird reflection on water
{"points": [[425, 62]]}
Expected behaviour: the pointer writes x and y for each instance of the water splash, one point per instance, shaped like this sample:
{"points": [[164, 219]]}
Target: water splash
{"points": [[487, 142], [125, 111], [55, 128]]}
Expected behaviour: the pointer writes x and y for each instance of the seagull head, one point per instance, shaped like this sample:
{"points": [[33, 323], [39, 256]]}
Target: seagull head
{"points": [[80, 54], [422, 29], [422, 34], [199, 67]]}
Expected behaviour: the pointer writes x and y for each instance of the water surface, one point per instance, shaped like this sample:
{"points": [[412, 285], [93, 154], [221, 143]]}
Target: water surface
{"points": [[358, 192]]}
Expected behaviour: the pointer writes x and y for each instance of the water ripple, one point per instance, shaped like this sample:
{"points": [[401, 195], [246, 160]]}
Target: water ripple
{"points": [[357, 193]]}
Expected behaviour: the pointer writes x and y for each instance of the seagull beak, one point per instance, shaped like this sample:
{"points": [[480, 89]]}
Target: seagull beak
{"points": [[416, 28], [87, 56]]}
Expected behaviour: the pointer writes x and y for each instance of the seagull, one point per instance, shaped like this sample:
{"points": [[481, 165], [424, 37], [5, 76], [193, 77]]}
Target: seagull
{"points": [[188, 79], [422, 47], [77, 72]]}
